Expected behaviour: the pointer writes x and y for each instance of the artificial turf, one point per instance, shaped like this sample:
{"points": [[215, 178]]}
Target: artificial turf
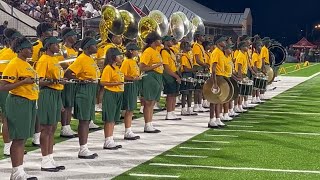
{"points": [[303, 72], [256, 148]]}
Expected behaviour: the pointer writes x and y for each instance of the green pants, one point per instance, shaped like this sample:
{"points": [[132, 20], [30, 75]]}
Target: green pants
{"points": [[130, 96], [49, 106], [21, 117], [85, 100], [152, 86], [68, 95], [170, 84], [3, 98], [111, 106]]}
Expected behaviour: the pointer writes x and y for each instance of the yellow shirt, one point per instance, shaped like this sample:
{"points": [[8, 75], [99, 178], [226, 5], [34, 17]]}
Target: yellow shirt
{"points": [[243, 60], [107, 47], [49, 67], [217, 56], [85, 68], [265, 54], [207, 55], [36, 50], [100, 53], [186, 60], [114, 74], [235, 53], [256, 59], [4, 49], [19, 68], [176, 48], [169, 59], [197, 49], [6, 55], [228, 66], [150, 57], [130, 68], [71, 52]]}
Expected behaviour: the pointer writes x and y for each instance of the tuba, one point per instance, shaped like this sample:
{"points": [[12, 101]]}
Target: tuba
{"points": [[277, 54], [198, 23], [162, 21], [130, 25], [146, 26], [177, 29]]}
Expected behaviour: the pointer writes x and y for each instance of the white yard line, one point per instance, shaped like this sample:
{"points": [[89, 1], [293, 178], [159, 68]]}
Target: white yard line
{"points": [[249, 122], [302, 68], [237, 168], [218, 142], [185, 156], [241, 126], [270, 132], [220, 135], [196, 148], [154, 175]]}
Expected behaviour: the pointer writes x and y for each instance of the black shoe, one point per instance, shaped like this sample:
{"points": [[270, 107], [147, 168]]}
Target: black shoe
{"points": [[111, 148], [92, 156], [213, 127], [32, 178], [50, 169], [61, 167], [35, 145], [154, 131], [95, 129], [132, 138]]}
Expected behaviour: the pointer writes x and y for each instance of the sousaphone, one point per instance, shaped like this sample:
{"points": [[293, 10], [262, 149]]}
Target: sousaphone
{"points": [[224, 93], [176, 27]]}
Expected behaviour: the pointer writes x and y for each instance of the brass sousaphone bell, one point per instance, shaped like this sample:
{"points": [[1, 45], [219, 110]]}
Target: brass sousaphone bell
{"points": [[224, 94], [130, 24], [146, 26], [176, 27]]}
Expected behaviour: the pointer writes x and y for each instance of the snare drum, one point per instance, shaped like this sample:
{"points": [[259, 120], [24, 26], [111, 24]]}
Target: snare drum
{"points": [[245, 88], [187, 84], [260, 82], [199, 80], [206, 76]]}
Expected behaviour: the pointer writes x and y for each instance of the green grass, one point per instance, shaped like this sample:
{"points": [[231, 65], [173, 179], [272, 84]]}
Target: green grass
{"points": [[313, 68], [74, 126], [255, 150]]}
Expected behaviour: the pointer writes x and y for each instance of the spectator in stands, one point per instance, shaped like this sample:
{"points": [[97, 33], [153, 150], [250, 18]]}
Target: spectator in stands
{"points": [[2, 28]]}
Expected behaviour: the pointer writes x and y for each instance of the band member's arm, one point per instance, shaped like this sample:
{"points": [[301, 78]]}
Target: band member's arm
{"points": [[7, 86], [251, 70], [69, 74], [255, 67], [129, 78], [186, 69], [171, 73], [197, 56], [214, 76], [42, 82], [104, 83], [144, 67], [240, 71]]}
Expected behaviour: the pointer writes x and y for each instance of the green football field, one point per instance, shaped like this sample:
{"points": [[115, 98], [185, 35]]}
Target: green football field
{"points": [[277, 140], [302, 72]]}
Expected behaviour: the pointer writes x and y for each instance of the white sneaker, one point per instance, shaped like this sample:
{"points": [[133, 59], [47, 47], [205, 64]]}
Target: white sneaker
{"points": [[36, 139], [170, 116], [6, 148], [92, 125], [203, 109], [178, 99], [85, 153], [141, 109], [67, 132], [254, 100], [184, 112], [157, 106], [191, 113], [131, 136], [111, 145], [148, 128], [20, 175], [212, 123], [205, 104], [47, 164], [237, 109], [242, 110], [219, 123], [98, 107], [55, 164], [259, 100], [226, 117], [196, 108]]}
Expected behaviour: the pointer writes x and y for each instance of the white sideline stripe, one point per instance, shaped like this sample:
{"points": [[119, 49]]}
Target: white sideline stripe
{"points": [[282, 112], [249, 122], [240, 126], [219, 142], [153, 175], [185, 156], [194, 148], [218, 135], [270, 132], [302, 68], [237, 168]]}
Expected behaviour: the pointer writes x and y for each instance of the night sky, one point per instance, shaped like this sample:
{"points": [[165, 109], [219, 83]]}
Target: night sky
{"points": [[282, 20]]}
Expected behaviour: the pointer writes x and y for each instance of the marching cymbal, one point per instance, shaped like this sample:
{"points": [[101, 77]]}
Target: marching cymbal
{"points": [[231, 89], [236, 89], [4, 61], [270, 74], [67, 60], [221, 96]]}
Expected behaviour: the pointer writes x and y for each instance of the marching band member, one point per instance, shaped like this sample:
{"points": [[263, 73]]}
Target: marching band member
{"points": [[187, 72], [241, 68], [199, 65], [256, 66], [44, 30], [151, 64], [50, 103], [112, 79], [131, 72], [85, 69], [208, 48], [217, 60], [24, 93], [69, 39], [7, 54], [265, 59], [170, 77], [228, 69]]}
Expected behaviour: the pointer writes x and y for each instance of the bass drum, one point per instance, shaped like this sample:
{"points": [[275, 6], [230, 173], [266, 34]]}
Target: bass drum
{"points": [[277, 55]]}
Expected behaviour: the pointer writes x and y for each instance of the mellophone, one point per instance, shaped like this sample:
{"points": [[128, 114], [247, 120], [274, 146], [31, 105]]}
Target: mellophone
{"points": [[58, 81]]}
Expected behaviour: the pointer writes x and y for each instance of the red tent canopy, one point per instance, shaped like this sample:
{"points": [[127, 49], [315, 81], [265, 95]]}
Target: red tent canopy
{"points": [[304, 43]]}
